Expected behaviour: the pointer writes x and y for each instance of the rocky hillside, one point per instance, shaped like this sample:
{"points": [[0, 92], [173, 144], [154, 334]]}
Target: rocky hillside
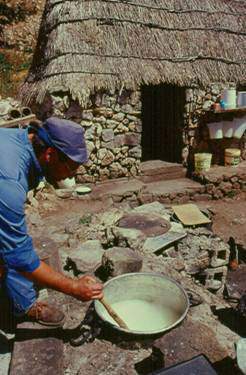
{"points": [[19, 24]]}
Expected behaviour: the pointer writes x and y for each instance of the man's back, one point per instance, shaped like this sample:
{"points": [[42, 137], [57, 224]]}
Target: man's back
{"points": [[15, 156], [16, 159]]}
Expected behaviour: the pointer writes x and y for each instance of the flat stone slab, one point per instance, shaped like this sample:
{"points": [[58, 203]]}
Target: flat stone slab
{"points": [[154, 167], [156, 170], [159, 243], [26, 359], [117, 187], [150, 224]]}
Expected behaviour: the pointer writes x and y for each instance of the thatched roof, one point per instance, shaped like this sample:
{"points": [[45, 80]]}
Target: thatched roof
{"points": [[88, 45]]}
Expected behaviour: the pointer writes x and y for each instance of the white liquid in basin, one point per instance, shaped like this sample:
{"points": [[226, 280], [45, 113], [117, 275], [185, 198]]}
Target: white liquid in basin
{"points": [[143, 316]]}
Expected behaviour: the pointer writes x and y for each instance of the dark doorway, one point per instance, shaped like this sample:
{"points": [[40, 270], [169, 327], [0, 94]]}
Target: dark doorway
{"points": [[163, 121]]}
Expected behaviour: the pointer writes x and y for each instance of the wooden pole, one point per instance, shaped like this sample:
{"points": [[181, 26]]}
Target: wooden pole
{"points": [[17, 121], [113, 314]]}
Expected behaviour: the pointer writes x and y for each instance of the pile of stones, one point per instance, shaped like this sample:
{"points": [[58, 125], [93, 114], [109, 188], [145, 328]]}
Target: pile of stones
{"points": [[99, 244]]}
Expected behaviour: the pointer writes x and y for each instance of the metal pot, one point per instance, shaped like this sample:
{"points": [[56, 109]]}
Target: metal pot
{"points": [[149, 303]]}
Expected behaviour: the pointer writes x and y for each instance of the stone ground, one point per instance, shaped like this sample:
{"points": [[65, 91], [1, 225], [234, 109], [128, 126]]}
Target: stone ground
{"points": [[5, 356], [115, 354]]}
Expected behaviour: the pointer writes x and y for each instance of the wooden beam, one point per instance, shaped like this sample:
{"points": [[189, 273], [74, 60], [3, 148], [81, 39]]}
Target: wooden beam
{"points": [[17, 121]]}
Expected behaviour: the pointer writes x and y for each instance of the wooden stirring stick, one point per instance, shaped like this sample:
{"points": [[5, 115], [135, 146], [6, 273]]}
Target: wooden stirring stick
{"points": [[113, 314]]}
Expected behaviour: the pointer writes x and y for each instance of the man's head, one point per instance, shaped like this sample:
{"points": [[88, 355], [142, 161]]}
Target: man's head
{"points": [[64, 149]]}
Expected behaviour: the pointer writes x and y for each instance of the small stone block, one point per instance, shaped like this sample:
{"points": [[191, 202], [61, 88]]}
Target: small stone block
{"points": [[119, 260]]}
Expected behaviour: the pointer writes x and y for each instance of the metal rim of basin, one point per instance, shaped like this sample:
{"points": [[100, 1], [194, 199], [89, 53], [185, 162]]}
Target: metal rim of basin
{"points": [[145, 333]]}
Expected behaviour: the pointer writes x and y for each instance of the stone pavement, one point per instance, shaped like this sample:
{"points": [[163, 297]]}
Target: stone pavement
{"points": [[172, 188], [38, 347], [5, 355], [134, 190]]}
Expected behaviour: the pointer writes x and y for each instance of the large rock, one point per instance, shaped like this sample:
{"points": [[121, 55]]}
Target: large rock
{"points": [[88, 256], [119, 260], [132, 238]]}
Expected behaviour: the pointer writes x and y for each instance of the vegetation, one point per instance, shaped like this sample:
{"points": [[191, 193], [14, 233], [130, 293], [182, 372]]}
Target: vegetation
{"points": [[17, 39]]}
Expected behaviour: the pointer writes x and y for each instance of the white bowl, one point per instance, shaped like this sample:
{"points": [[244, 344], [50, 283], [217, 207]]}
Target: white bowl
{"points": [[83, 190], [67, 183]]}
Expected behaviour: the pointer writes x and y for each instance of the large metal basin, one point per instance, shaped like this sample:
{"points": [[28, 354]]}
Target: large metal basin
{"points": [[149, 303]]}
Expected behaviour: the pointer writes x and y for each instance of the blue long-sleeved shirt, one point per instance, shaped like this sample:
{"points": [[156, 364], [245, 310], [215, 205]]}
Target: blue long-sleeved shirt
{"points": [[17, 160]]}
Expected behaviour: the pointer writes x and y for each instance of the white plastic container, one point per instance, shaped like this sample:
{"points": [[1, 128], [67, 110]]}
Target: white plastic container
{"points": [[232, 156], [215, 130], [227, 129], [241, 99], [229, 97], [239, 125], [202, 162], [67, 183]]}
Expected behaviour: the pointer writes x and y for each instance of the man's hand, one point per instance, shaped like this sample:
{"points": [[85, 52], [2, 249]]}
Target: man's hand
{"points": [[87, 288]]}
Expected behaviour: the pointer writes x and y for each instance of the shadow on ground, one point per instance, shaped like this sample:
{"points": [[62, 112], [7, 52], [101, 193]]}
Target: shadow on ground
{"points": [[231, 319]]}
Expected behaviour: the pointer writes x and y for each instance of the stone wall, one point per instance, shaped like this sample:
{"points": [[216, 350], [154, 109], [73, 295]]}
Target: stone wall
{"points": [[113, 128], [221, 182], [112, 124]]}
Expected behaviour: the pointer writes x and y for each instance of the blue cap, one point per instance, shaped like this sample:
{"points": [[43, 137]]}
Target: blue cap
{"points": [[67, 136]]}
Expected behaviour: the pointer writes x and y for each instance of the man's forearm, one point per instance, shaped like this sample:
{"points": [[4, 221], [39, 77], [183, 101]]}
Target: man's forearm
{"points": [[48, 277], [85, 289]]}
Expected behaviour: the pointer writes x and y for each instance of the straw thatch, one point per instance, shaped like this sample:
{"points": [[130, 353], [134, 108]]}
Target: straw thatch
{"points": [[88, 45]]}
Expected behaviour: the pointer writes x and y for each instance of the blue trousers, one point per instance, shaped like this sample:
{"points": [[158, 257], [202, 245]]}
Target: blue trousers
{"points": [[19, 290]]}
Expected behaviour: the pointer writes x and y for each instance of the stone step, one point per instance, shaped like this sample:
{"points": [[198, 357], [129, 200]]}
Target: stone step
{"points": [[156, 170]]}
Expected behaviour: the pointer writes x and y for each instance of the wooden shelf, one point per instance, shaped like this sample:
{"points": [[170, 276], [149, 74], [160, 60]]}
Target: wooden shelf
{"points": [[233, 110]]}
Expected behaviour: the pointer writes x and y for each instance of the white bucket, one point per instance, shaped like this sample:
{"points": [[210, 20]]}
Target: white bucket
{"points": [[241, 99], [202, 162], [228, 129], [215, 130], [239, 125], [229, 98], [232, 156]]}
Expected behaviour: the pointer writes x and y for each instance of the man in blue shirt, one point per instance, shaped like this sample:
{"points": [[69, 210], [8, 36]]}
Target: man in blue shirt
{"points": [[53, 151]]}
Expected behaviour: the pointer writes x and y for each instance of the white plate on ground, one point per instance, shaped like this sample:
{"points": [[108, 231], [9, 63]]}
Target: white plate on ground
{"points": [[83, 190]]}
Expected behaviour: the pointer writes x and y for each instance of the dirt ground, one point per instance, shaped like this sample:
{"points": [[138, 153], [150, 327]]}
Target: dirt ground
{"points": [[229, 218]]}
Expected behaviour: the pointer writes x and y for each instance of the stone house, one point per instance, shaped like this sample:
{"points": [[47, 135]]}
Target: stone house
{"points": [[138, 76]]}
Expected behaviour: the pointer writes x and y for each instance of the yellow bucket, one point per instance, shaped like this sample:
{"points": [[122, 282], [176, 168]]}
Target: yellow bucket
{"points": [[202, 162], [232, 156]]}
